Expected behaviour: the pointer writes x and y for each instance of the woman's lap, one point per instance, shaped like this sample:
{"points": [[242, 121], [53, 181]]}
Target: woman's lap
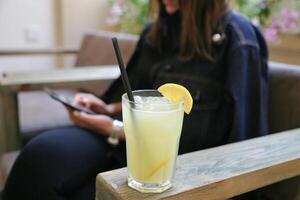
{"points": [[59, 163]]}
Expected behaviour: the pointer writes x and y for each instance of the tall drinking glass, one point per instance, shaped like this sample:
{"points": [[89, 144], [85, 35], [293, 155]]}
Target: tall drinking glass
{"points": [[152, 127]]}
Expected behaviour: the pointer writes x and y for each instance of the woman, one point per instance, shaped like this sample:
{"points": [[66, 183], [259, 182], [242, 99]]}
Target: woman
{"points": [[219, 56]]}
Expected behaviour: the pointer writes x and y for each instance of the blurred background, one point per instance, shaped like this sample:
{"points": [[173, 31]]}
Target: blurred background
{"points": [[42, 24], [36, 24]]}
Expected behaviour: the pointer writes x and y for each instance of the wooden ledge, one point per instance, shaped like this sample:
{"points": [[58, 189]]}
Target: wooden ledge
{"points": [[34, 52], [219, 173], [70, 77]]}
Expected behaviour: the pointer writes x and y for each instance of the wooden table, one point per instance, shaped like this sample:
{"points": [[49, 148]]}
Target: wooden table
{"points": [[218, 173], [13, 82]]}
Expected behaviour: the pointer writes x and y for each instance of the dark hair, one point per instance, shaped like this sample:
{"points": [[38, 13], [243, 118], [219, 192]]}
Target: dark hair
{"points": [[199, 21]]}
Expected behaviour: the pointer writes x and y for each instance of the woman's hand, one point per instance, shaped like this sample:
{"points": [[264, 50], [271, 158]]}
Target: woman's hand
{"points": [[98, 123], [93, 103]]}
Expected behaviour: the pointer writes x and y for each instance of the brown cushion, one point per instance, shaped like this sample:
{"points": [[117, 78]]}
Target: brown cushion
{"points": [[284, 105], [39, 112], [96, 48]]}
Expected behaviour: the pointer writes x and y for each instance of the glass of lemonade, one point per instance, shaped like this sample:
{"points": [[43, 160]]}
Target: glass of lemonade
{"points": [[152, 126]]}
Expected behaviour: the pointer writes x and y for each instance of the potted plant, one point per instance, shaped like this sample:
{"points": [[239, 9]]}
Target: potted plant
{"points": [[128, 16]]}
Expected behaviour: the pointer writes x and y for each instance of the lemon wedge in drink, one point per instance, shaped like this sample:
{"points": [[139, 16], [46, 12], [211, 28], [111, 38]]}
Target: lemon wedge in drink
{"points": [[176, 93], [160, 165]]}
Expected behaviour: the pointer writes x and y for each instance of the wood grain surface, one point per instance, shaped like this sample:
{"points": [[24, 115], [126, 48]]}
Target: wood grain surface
{"points": [[38, 78], [219, 173]]}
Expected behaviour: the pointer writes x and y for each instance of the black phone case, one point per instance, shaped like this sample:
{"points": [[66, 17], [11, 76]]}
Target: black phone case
{"points": [[66, 101]]}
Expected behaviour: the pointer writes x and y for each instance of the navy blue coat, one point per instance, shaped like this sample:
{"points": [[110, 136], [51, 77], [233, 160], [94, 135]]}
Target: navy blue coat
{"points": [[230, 94]]}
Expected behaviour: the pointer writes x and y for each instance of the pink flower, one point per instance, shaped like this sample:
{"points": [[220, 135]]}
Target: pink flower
{"points": [[271, 34], [287, 21]]}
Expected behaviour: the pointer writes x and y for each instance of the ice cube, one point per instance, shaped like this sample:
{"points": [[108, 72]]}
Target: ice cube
{"points": [[138, 99], [153, 103]]}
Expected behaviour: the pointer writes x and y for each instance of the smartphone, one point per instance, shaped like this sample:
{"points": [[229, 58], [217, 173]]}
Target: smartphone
{"points": [[67, 101]]}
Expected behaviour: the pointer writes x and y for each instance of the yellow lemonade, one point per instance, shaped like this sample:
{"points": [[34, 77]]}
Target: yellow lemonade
{"points": [[152, 128]]}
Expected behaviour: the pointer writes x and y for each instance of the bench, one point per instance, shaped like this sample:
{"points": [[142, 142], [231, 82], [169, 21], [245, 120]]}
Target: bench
{"points": [[23, 113], [218, 173]]}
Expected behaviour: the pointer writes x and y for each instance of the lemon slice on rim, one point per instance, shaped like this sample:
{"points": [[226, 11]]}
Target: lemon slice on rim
{"points": [[176, 93]]}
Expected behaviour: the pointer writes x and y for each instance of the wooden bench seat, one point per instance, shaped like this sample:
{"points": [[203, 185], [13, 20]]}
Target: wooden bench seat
{"points": [[218, 173]]}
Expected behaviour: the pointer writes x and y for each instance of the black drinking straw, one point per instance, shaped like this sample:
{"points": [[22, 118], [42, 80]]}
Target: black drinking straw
{"points": [[124, 76]]}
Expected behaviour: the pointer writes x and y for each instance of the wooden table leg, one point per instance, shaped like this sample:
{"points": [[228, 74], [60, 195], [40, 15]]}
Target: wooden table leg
{"points": [[10, 138]]}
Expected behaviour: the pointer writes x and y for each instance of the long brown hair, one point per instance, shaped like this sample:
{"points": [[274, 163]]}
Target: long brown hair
{"points": [[199, 21]]}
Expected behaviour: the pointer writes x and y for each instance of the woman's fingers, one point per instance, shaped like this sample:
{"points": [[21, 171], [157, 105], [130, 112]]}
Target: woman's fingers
{"points": [[99, 123], [91, 102], [77, 119], [86, 100], [80, 99], [85, 119]]}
